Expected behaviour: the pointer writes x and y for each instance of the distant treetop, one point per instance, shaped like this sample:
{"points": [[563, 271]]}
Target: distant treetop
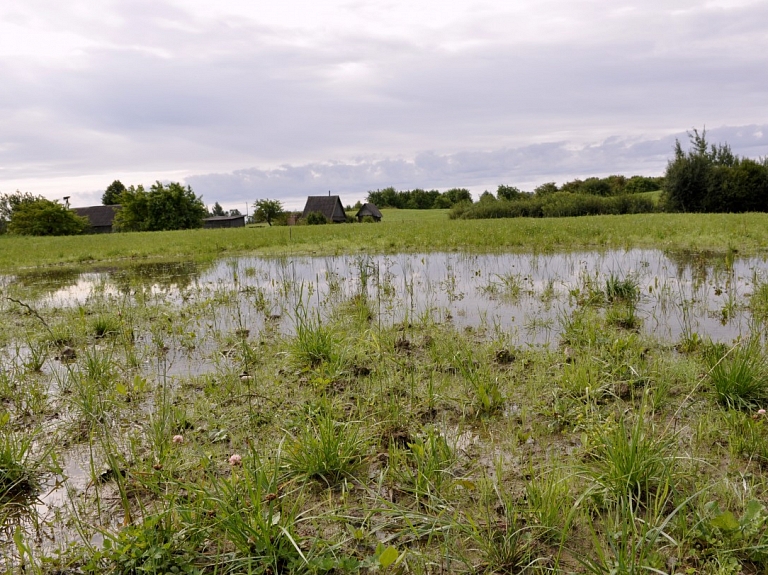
{"points": [[111, 196]]}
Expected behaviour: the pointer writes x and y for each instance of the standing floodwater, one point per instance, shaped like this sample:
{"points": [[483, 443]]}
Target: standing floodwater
{"points": [[524, 295]]}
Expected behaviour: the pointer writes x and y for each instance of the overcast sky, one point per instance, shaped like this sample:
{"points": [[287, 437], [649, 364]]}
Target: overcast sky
{"points": [[246, 100]]}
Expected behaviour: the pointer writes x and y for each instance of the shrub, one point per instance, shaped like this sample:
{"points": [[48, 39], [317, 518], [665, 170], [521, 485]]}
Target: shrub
{"points": [[710, 178], [45, 218], [316, 219], [554, 205]]}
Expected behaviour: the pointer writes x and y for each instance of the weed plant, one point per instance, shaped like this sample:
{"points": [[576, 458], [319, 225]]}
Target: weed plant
{"points": [[424, 466]]}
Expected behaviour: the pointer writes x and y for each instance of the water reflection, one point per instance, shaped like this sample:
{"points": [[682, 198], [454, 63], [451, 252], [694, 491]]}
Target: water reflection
{"points": [[525, 295]]}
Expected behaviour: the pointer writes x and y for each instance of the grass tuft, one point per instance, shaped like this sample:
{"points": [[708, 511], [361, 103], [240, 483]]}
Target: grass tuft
{"points": [[739, 379], [326, 450]]}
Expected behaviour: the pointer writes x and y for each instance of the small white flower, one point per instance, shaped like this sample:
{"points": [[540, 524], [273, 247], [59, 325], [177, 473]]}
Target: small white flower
{"points": [[178, 439], [235, 460]]}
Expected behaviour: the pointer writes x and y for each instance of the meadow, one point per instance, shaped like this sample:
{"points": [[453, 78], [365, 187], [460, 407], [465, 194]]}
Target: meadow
{"points": [[400, 231], [441, 397]]}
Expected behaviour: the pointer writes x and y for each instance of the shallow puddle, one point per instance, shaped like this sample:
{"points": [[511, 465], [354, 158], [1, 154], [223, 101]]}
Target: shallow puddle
{"points": [[524, 295]]}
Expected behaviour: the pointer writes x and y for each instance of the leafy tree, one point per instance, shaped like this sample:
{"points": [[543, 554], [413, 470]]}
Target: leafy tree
{"points": [[171, 207], [573, 187], [267, 210], [457, 196], [641, 184], [596, 187], [617, 184], [9, 202], [546, 189], [43, 217], [386, 198], [421, 199], [218, 210], [111, 196], [487, 196], [235, 212], [507, 192], [711, 178]]}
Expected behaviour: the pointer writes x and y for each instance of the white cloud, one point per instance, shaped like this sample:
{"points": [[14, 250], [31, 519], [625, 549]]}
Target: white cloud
{"points": [[192, 87]]}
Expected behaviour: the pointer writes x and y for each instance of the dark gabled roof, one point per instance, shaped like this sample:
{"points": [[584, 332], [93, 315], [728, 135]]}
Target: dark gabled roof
{"points": [[223, 218], [329, 206], [98, 216], [369, 210]]}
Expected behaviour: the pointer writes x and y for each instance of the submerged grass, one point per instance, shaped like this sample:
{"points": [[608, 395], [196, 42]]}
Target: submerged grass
{"points": [[221, 428]]}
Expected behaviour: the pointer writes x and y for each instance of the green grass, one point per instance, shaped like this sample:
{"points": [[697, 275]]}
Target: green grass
{"points": [[400, 231], [740, 378], [366, 446]]}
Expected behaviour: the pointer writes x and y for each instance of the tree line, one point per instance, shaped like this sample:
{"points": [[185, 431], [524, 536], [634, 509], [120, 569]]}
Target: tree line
{"points": [[705, 178], [419, 199], [160, 207]]}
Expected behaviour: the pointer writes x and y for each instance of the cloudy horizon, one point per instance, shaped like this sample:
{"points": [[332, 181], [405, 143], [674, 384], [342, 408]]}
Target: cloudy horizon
{"points": [[243, 101]]}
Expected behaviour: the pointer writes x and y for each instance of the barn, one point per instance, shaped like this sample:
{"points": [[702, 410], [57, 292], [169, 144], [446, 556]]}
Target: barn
{"points": [[224, 222], [329, 206], [369, 210], [101, 218]]}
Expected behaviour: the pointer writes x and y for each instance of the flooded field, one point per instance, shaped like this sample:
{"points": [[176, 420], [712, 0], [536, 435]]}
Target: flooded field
{"points": [[126, 393], [520, 294]]}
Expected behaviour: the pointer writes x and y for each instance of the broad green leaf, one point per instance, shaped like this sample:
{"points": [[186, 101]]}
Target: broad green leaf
{"points": [[725, 521], [388, 556]]}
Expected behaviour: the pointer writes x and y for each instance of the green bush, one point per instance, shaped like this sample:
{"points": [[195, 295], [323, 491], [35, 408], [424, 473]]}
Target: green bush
{"points": [[554, 205], [316, 219], [45, 218], [710, 178]]}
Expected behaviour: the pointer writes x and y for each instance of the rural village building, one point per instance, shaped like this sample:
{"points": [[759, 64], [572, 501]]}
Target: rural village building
{"points": [[369, 209], [100, 217], [329, 206], [224, 222]]}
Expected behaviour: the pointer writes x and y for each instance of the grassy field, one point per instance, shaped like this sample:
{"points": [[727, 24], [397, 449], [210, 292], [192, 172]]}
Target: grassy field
{"points": [[401, 231], [264, 425], [253, 422]]}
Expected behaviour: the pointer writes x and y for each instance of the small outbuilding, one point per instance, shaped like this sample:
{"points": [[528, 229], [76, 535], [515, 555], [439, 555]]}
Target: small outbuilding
{"points": [[224, 222], [369, 210], [101, 218], [329, 206]]}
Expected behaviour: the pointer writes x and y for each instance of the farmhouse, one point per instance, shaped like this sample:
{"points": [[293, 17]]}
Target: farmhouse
{"points": [[369, 210], [100, 217], [224, 222], [329, 206]]}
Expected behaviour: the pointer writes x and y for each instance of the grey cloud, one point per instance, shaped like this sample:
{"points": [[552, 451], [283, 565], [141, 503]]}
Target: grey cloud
{"points": [[161, 88], [556, 161]]}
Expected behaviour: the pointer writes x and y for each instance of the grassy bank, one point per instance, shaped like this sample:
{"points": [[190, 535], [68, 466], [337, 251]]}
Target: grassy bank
{"points": [[402, 231]]}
